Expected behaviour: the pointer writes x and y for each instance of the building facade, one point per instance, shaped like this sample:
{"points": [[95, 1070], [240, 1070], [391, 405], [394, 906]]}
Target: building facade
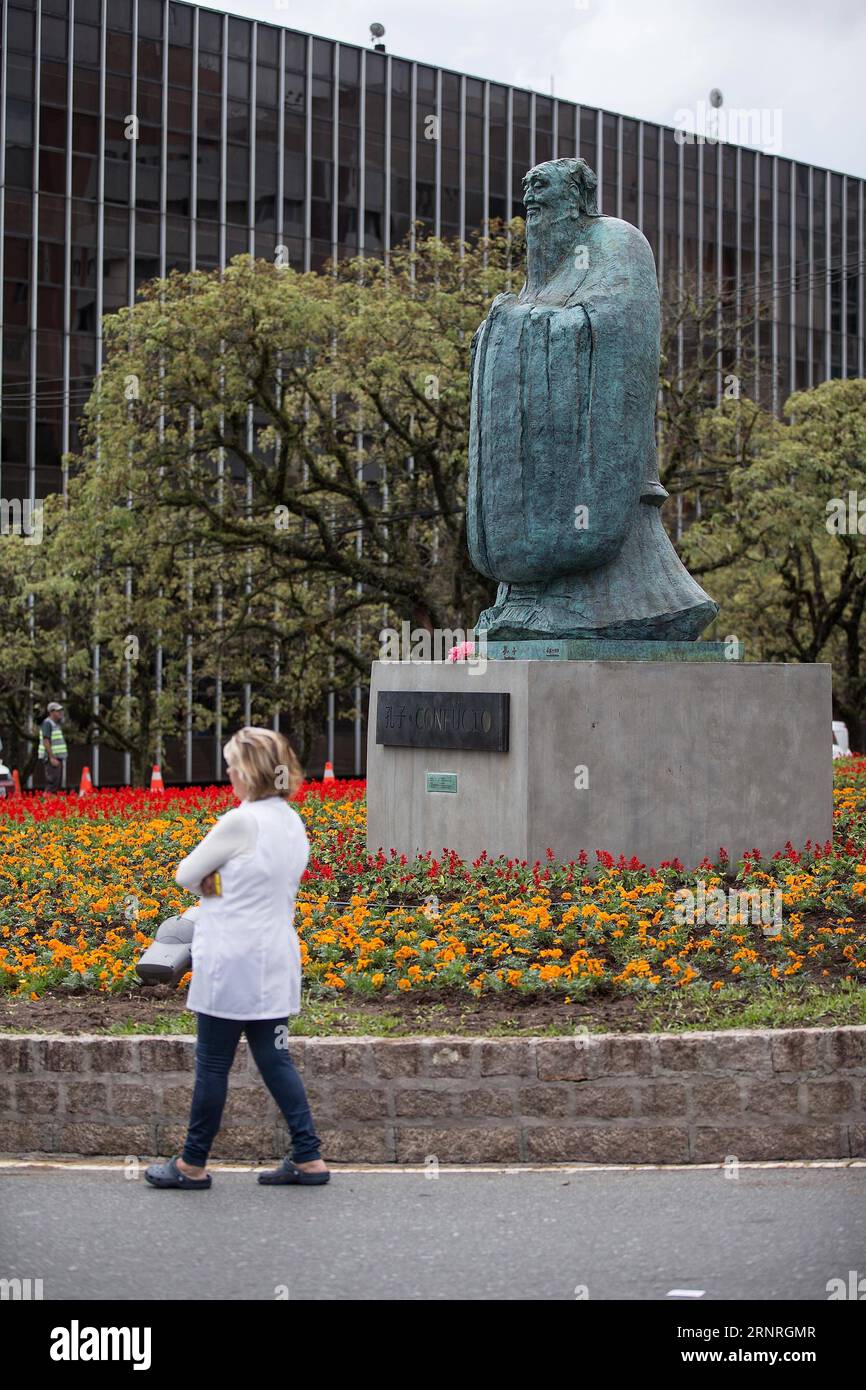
{"points": [[138, 136]]}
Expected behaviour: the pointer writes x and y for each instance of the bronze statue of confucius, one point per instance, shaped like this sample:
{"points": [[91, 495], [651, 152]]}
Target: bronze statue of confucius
{"points": [[564, 496]]}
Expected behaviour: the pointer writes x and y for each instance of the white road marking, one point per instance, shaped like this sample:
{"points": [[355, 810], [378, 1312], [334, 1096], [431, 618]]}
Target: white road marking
{"points": [[112, 1165], [685, 1293]]}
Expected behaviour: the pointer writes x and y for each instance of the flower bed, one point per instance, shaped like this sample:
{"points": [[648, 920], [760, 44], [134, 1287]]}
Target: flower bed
{"points": [[84, 882]]}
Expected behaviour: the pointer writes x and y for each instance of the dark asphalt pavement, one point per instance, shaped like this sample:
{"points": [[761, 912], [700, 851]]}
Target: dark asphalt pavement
{"points": [[770, 1233]]}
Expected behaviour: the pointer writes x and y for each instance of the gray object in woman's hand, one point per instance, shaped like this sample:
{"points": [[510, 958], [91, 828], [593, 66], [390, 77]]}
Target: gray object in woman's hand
{"points": [[168, 959]]}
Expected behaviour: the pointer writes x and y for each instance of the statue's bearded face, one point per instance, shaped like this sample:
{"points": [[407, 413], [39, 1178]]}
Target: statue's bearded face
{"points": [[545, 192]]}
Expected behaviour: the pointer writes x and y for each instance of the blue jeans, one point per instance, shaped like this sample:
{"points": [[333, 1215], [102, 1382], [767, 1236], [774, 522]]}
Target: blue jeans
{"points": [[215, 1051]]}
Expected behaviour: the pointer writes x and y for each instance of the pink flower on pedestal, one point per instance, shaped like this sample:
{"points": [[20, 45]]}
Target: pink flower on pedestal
{"points": [[461, 652]]}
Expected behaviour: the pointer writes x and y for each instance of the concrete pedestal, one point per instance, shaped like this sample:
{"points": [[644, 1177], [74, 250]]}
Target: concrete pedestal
{"points": [[655, 759]]}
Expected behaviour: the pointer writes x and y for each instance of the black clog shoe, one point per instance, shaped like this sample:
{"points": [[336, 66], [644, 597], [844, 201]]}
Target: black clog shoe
{"points": [[289, 1173], [169, 1175]]}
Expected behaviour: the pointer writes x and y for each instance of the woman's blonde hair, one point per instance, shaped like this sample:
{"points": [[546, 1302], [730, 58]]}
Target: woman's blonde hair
{"points": [[266, 763]]}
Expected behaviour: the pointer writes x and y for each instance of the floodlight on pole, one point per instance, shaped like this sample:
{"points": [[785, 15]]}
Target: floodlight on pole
{"points": [[713, 121]]}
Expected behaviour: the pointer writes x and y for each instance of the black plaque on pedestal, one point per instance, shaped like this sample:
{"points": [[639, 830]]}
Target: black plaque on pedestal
{"points": [[443, 719]]}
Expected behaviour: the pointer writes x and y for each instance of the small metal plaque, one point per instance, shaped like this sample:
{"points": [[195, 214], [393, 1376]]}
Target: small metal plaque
{"points": [[443, 719], [441, 781]]}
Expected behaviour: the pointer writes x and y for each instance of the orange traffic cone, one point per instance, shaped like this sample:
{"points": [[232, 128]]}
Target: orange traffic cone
{"points": [[156, 782], [328, 774], [85, 785], [17, 782]]}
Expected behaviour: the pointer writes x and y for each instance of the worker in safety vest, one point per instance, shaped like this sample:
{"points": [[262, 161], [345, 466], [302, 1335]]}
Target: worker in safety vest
{"points": [[52, 748]]}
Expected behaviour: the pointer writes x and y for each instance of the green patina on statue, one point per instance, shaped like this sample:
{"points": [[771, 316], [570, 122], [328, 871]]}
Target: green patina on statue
{"points": [[564, 497]]}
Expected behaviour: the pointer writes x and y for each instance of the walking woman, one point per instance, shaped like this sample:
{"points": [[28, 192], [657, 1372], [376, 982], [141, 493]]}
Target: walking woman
{"points": [[246, 958]]}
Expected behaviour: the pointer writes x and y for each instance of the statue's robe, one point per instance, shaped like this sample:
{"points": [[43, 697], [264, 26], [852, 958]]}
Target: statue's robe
{"points": [[563, 497]]}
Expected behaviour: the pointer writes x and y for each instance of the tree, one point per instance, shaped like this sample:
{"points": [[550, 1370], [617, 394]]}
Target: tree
{"points": [[317, 421], [708, 354], [137, 584], [784, 550], [29, 656], [96, 581]]}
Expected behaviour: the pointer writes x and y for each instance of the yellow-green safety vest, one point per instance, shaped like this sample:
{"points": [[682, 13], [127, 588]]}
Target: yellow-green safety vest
{"points": [[58, 743]]}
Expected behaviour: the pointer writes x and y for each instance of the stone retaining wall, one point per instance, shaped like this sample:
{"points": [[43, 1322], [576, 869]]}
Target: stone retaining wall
{"points": [[642, 1098]]}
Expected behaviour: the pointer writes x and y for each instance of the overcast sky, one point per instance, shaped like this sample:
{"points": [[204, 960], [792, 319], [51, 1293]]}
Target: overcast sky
{"points": [[803, 59]]}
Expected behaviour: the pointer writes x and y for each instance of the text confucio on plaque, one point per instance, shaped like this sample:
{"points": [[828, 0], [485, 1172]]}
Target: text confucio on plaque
{"points": [[443, 719]]}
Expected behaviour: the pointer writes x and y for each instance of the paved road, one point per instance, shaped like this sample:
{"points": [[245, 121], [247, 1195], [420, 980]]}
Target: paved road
{"points": [[771, 1233]]}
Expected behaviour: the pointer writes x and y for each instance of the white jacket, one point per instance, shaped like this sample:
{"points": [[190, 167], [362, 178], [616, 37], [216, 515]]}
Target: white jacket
{"points": [[246, 960]]}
